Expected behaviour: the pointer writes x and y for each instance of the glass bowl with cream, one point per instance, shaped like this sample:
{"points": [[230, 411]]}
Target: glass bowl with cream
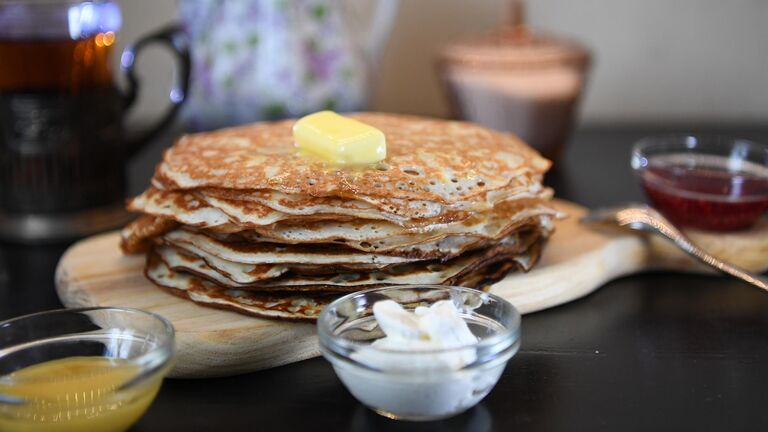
{"points": [[94, 369], [419, 352]]}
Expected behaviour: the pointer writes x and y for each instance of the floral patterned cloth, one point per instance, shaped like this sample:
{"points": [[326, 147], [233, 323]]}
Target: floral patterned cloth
{"points": [[266, 59]]}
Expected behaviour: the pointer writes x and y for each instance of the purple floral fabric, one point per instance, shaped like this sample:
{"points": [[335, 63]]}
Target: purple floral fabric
{"points": [[266, 59]]}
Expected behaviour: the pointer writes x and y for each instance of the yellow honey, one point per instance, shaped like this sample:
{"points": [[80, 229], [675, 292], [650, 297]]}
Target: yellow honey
{"points": [[75, 394], [339, 140]]}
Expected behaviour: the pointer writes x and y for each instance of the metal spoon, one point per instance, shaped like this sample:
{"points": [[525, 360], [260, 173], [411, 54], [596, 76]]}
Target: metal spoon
{"points": [[643, 218]]}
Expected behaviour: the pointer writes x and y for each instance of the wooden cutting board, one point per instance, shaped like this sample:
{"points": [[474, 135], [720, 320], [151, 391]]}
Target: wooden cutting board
{"points": [[211, 342]]}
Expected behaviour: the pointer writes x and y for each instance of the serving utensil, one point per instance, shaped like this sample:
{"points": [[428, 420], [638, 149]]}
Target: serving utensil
{"points": [[644, 218]]}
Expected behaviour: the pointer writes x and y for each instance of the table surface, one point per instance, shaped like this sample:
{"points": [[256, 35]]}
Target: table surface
{"points": [[658, 351]]}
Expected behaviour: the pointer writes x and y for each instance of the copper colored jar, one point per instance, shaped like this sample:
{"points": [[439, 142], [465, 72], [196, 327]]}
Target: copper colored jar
{"points": [[516, 81]]}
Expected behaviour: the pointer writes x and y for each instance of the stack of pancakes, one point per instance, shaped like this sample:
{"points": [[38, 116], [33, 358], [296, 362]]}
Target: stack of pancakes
{"points": [[239, 219]]}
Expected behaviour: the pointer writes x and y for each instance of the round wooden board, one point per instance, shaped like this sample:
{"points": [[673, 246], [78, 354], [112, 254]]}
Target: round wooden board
{"points": [[212, 342]]}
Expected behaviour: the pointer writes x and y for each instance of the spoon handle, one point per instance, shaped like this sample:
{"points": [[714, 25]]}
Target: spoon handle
{"points": [[665, 228]]}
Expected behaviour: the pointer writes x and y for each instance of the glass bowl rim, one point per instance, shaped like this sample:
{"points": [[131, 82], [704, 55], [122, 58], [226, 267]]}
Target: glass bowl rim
{"points": [[507, 336], [675, 143], [647, 142], [153, 359]]}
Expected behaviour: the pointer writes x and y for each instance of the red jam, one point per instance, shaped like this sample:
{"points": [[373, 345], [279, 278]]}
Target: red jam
{"points": [[708, 196]]}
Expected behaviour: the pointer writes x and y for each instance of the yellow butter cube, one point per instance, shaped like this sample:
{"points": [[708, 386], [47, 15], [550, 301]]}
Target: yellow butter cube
{"points": [[339, 140]]}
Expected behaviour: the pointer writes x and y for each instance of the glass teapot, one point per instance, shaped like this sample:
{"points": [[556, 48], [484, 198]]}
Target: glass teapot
{"points": [[266, 59]]}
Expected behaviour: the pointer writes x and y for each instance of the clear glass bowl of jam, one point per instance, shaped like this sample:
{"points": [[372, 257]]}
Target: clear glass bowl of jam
{"points": [[705, 182]]}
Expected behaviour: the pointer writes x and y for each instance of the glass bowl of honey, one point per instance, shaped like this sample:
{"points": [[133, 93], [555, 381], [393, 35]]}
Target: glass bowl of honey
{"points": [[94, 369], [706, 182]]}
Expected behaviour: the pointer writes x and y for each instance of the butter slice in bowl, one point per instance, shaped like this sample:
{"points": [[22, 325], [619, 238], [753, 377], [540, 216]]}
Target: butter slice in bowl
{"points": [[339, 140], [419, 352]]}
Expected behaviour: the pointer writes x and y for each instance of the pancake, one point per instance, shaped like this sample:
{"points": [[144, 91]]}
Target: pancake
{"points": [[137, 236], [225, 215], [371, 207], [362, 234], [303, 305], [219, 270], [288, 306], [275, 253], [374, 236], [244, 273], [188, 209], [423, 161], [183, 207], [238, 219], [259, 252], [403, 213], [298, 204], [252, 214], [427, 272]]}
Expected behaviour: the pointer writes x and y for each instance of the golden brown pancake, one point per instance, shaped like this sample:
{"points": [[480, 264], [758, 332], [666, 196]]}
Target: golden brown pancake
{"points": [[427, 159], [137, 236], [287, 278], [296, 305], [238, 219]]}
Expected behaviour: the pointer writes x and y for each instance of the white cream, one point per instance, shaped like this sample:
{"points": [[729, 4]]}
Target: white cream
{"points": [[413, 378], [437, 327]]}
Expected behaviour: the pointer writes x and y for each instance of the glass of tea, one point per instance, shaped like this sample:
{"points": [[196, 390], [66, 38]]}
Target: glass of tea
{"points": [[63, 149], [706, 182]]}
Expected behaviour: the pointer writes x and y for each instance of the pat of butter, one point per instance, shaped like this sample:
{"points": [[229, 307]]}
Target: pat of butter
{"points": [[339, 140]]}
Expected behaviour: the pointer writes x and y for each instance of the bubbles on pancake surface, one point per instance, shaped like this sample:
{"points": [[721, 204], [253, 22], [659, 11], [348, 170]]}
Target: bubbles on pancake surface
{"points": [[414, 171], [419, 149]]}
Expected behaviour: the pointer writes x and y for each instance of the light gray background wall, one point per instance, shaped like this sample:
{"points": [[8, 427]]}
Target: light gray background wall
{"points": [[656, 60]]}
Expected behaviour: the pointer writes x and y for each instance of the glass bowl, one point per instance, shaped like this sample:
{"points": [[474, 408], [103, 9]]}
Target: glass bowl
{"points": [[81, 369], [707, 182], [421, 386]]}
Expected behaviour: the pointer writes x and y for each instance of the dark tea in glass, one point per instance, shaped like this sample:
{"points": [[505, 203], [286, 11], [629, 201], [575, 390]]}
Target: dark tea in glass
{"points": [[60, 125], [63, 149]]}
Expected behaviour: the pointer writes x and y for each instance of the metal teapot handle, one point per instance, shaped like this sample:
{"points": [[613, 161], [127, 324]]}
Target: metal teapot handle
{"points": [[176, 39]]}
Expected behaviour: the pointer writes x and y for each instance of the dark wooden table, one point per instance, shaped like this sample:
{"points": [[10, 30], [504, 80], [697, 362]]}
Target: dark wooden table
{"points": [[658, 351]]}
